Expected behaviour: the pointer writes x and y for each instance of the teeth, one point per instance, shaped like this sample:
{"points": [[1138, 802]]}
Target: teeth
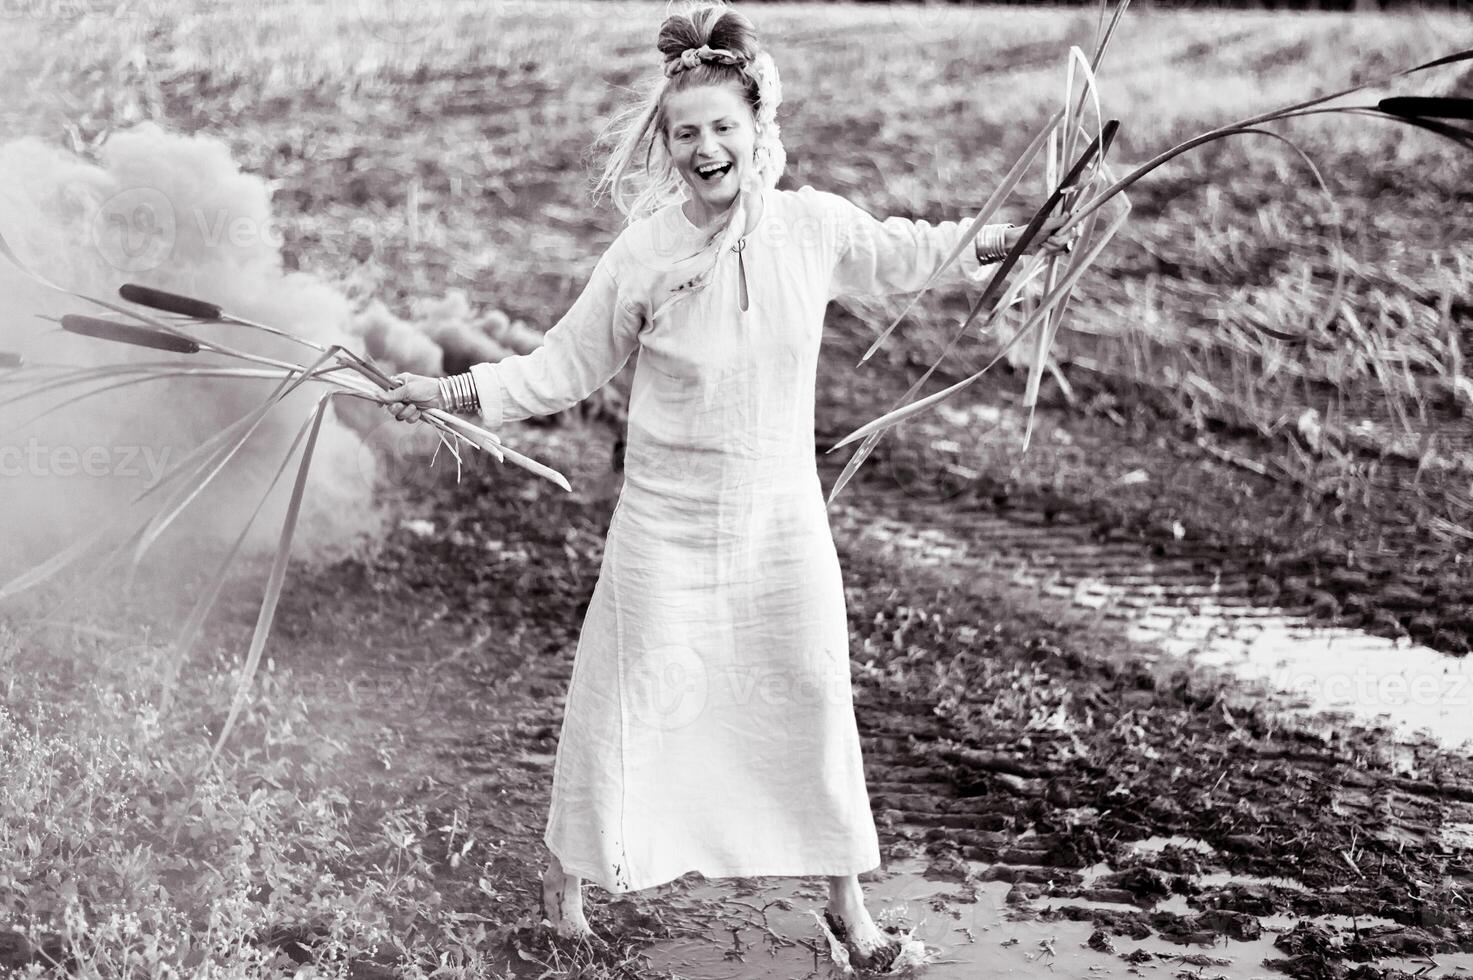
{"points": [[708, 171]]}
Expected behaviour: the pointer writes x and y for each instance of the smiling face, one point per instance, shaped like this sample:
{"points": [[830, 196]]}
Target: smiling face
{"points": [[706, 128]]}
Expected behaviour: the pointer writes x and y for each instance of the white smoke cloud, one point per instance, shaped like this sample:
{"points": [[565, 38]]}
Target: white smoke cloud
{"points": [[175, 212]]}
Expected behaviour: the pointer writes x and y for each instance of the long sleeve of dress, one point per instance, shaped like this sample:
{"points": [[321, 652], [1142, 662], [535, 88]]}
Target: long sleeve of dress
{"points": [[896, 255], [578, 355]]}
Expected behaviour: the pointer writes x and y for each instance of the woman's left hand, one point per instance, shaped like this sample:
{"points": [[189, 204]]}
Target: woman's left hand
{"points": [[411, 397], [1047, 240]]}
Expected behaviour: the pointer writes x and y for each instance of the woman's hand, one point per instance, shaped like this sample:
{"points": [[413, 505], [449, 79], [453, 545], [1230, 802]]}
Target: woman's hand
{"points": [[414, 395], [1046, 241]]}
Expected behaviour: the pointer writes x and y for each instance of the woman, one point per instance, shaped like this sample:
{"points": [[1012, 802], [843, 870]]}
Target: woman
{"points": [[709, 723]]}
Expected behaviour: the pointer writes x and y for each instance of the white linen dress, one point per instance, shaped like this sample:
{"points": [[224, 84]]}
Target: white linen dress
{"points": [[709, 723]]}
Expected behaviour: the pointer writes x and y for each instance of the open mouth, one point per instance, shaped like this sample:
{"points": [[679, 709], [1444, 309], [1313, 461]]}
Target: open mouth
{"points": [[714, 173]]}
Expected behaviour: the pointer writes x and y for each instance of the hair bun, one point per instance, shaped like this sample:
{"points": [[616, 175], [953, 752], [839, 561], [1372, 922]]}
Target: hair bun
{"points": [[707, 28]]}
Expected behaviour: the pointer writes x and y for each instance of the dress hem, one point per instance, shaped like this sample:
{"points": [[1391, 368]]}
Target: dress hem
{"points": [[591, 878]]}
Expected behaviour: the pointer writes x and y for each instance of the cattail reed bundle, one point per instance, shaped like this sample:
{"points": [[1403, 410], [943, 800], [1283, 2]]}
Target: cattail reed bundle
{"points": [[159, 504], [127, 333], [444, 422], [1083, 201], [158, 299]]}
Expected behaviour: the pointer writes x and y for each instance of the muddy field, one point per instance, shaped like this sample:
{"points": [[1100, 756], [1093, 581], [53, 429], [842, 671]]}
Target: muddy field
{"points": [[1010, 741]]}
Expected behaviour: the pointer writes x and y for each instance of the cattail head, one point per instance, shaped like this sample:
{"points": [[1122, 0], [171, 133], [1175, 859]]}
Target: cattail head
{"points": [[157, 299], [127, 333], [1435, 106]]}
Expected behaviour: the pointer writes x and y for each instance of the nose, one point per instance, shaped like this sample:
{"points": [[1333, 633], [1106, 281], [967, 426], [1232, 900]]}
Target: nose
{"points": [[705, 144]]}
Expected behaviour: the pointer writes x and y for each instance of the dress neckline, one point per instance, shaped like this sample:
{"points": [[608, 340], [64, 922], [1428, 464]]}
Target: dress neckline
{"points": [[691, 228]]}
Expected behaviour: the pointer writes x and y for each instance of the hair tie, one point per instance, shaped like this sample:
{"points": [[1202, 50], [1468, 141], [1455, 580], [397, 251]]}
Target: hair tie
{"points": [[692, 57]]}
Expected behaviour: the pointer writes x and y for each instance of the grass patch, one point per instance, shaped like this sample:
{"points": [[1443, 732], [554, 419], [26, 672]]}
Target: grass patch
{"points": [[124, 853]]}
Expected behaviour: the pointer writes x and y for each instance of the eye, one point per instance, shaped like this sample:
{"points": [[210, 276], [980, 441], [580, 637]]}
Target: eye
{"points": [[725, 128]]}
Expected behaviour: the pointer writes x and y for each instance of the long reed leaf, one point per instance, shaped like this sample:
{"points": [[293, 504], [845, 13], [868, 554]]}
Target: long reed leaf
{"points": [[1459, 135], [1088, 90], [890, 419], [488, 441], [1241, 124], [129, 382], [994, 201], [532, 466], [185, 641], [1104, 42], [1045, 337], [54, 381], [217, 463], [274, 581], [73, 553], [52, 566], [994, 286]]}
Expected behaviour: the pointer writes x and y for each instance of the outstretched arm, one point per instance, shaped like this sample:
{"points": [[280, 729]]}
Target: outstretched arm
{"points": [[898, 255], [578, 355]]}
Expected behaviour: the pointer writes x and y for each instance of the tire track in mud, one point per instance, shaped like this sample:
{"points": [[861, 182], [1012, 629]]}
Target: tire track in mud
{"points": [[1108, 475]]}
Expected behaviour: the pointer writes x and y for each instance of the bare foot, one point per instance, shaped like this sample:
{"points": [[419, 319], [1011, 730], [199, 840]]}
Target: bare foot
{"points": [[867, 945], [562, 903]]}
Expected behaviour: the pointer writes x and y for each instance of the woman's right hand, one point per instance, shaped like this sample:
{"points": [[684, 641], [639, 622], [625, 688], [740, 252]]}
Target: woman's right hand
{"points": [[413, 395]]}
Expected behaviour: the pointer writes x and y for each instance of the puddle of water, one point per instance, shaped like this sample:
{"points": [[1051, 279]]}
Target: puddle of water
{"points": [[1178, 903], [1410, 689], [1217, 879], [1456, 836], [1407, 687], [1188, 611], [1397, 685], [1155, 845], [751, 938]]}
